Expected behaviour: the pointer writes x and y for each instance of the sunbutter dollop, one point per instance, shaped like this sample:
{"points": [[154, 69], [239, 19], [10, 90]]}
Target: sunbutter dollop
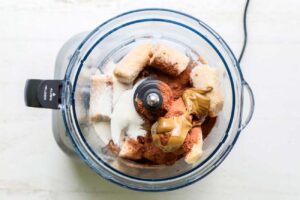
{"points": [[196, 102], [175, 129]]}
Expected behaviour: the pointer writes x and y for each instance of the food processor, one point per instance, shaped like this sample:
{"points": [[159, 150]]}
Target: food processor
{"points": [[68, 94]]}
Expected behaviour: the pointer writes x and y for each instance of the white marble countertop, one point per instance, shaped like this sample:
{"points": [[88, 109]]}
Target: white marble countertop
{"points": [[265, 163]]}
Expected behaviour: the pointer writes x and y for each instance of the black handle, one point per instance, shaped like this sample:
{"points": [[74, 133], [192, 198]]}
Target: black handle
{"points": [[43, 93]]}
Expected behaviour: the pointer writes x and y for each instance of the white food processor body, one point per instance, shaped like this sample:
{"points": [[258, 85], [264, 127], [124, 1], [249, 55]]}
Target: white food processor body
{"points": [[86, 53]]}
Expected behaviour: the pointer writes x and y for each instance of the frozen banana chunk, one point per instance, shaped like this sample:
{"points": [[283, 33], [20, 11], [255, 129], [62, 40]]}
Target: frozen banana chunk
{"points": [[133, 63], [118, 89], [82, 94], [169, 60], [100, 98], [203, 76], [196, 152], [131, 149]]}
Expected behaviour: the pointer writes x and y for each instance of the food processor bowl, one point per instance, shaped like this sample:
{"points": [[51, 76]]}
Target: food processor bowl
{"points": [[110, 42]]}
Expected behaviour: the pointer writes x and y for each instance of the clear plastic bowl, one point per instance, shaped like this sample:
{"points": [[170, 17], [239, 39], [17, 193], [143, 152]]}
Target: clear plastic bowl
{"points": [[110, 42]]}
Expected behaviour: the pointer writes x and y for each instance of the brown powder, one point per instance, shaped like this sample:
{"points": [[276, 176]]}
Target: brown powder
{"points": [[177, 84], [153, 154], [176, 109], [167, 95], [141, 139], [157, 156], [152, 116], [168, 67], [136, 149]]}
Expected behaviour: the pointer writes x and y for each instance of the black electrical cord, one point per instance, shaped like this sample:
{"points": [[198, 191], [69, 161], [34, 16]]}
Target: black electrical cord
{"points": [[245, 31]]}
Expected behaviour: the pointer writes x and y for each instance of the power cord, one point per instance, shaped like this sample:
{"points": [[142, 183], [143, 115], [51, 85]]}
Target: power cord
{"points": [[245, 31]]}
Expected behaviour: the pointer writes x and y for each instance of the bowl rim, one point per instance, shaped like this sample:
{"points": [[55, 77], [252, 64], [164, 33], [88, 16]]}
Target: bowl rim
{"points": [[226, 152]]}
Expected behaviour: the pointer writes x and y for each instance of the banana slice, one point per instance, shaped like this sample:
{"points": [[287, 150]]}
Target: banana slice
{"points": [[100, 97], [204, 76], [131, 149], [133, 63], [196, 152]]}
